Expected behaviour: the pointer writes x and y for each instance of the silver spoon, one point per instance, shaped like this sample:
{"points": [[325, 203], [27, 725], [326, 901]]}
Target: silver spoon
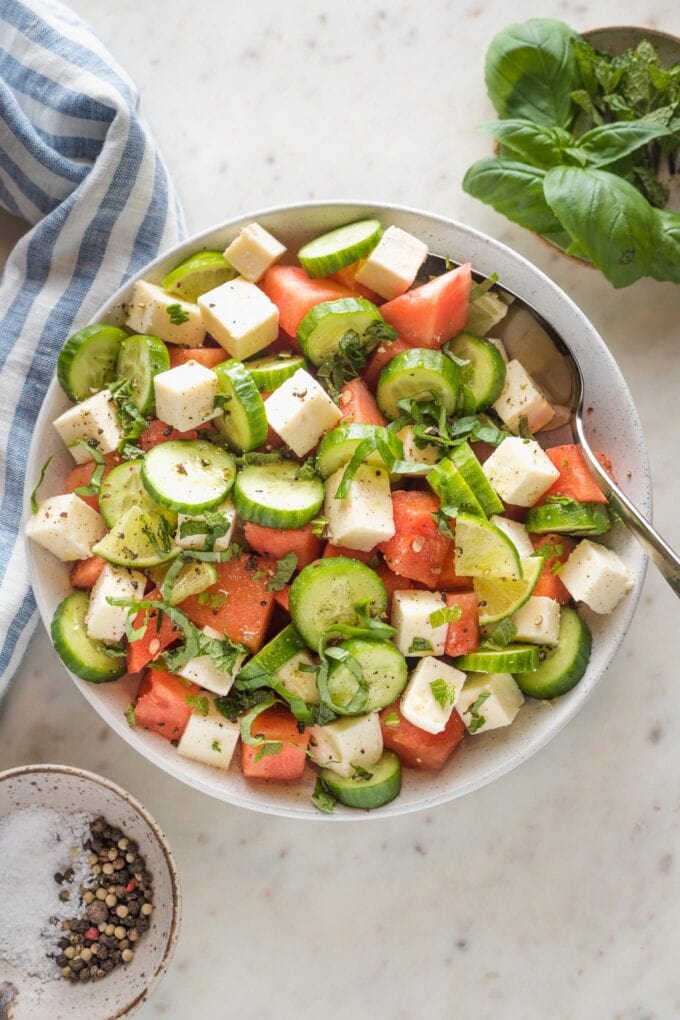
{"points": [[529, 338]]}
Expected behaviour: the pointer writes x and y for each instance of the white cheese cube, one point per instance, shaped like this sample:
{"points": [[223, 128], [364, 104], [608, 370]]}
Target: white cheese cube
{"points": [[489, 701], [364, 517], [517, 533], [202, 670], [253, 252], [210, 739], [596, 575], [538, 621], [300, 411], [94, 421], [299, 681], [430, 694], [240, 317], [500, 347], [185, 395], [393, 264], [411, 611], [197, 540], [105, 622], [66, 526], [521, 398], [154, 312], [348, 742], [520, 471], [428, 454]]}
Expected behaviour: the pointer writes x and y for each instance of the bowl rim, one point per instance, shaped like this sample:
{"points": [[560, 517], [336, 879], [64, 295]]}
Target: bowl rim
{"points": [[175, 884], [538, 741]]}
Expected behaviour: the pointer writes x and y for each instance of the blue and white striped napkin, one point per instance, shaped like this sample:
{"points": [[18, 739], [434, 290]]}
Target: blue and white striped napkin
{"points": [[78, 164]]}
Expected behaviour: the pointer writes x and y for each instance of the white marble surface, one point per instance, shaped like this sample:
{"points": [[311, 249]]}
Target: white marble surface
{"points": [[551, 895]]}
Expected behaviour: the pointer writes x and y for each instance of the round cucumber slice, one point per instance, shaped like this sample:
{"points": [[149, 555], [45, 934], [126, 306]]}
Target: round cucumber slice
{"points": [[337, 447], [420, 374], [188, 475], [484, 375], [511, 659], [499, 597], [121, 489], [243, 422], [273, 495], [87, 361], [471, 470], [201, 272], [326, 593], [268, 373], [140, 359], [568, 517], [483, 550], [360, 791], [448, 483], [139, 539], [324, 325], [339, 248], [86, 658], [561, 667], [385, 674], [274, 655]]}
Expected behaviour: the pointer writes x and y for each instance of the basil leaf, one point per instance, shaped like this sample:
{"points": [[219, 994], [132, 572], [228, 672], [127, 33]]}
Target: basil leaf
{"points": [[515, 190], [285, 568], [610, 142], [532, 143], [665, 262], [322, 798]]}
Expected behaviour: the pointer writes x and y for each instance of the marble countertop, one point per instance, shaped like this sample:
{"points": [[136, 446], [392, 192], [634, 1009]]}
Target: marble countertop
{"points": [[552, 893]]}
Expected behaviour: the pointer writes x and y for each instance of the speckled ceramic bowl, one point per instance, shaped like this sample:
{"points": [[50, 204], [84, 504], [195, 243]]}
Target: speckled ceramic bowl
{"points": [[122, 992], [614, 427]]}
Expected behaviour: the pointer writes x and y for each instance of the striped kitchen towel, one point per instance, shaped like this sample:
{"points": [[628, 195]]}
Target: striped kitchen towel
{"points": [[78, 165]]}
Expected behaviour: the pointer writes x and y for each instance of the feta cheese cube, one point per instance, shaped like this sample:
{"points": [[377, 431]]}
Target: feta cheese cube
{"points": [[94, 421], [538, 621], [253, 252], [299, 681], [364, 517], [411, 611], [210, 739], [521, 398], [197, 540], [154, 312], [185, 395], [520, 471], [240, 317], [597, 576], [66, 526], [105, 622], [202, 670], [393, 264], [300, 411], [517, 533], [430, 694], [348, 742], [488, 701], [428, 454]]}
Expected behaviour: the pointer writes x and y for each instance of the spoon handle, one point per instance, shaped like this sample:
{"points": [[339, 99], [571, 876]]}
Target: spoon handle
{"points": [[664, 558]]}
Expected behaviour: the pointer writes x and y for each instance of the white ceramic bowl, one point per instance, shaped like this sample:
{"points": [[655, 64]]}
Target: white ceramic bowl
{"points": [[613, 425], [122, 992]]}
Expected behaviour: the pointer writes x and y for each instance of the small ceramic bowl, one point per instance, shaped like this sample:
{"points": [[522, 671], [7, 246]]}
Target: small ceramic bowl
{"points": [[122, 992]]}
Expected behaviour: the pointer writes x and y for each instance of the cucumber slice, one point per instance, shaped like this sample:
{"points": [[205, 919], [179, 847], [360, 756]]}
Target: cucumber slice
{"points": [[87, 361], [274, 655], [339, 248], [199, 273], [326, 593], [121, 489], [484, 375], [473, 473], [385, 673], [421, 374], [268, 373], [511, 659], [139, 539], [243, 422], [567, 517], [499, 597], [324, 325], [561, 667], [192, 579], [188, 475], [140, 359], [448, 483], [483, 550], [337, 447], [367, 794], [274, 495], [86, 658]]}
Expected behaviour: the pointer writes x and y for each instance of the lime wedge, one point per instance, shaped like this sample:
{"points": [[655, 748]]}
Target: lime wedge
{"points": [[139, 539], [499, 597], [482, 550], [198, 274], [192, 579]]}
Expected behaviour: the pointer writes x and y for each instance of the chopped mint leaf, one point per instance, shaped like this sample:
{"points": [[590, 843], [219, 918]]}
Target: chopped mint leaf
{"points": [[391, 719], [216, 746], [351, 354], [198, 702], [420, 644], [319, 525], [447, 614], [322, 798], [502, 634], [130, 715], [477, 720], [442, 692], [360, 772], [266, 748], [285, 568], [212, 599], [442, 522], [177, 314]]}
